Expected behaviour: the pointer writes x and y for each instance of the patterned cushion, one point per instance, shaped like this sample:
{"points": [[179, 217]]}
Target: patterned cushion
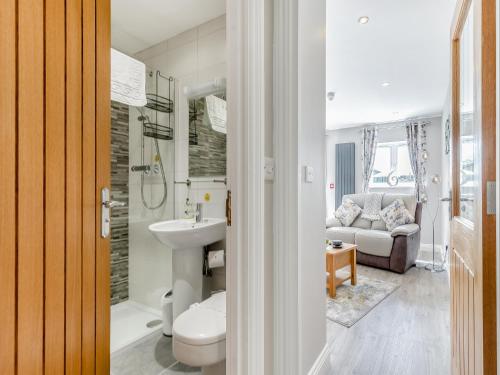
{"points": [[347, 212], [396, 214], [373, 205]]}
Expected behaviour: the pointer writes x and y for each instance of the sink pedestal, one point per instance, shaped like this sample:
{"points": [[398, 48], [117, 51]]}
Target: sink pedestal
{"points": [[187, 274], [187, 238]]}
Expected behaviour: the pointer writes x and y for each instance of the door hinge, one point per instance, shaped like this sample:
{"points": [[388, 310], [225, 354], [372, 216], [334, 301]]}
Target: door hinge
{"points": [[228, 208]]}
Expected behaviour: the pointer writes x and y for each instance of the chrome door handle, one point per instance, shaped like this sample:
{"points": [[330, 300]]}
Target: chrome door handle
{"points": [[107, 204], [112, 204]]}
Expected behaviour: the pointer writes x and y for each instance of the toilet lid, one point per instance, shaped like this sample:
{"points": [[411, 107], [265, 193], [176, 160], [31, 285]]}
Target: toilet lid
{"points": [[200, 326]]}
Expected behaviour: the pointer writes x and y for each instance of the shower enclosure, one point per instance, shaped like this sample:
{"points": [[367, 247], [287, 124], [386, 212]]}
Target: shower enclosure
{"points": [[142, 176]]}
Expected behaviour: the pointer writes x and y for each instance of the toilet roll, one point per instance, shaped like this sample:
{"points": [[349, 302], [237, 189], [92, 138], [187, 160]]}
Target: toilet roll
{"points": [[216, 259]]}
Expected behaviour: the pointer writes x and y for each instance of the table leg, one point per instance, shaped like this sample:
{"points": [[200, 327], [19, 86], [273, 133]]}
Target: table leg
{"points": [[354, 278], [333, 287]]}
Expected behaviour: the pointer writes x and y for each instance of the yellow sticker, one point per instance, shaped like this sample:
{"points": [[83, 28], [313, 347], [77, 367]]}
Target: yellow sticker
{"points": [[207, 197]]}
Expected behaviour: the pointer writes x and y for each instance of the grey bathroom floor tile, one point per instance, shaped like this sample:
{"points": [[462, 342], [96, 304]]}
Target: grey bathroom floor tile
{"points": [[150, 357]]}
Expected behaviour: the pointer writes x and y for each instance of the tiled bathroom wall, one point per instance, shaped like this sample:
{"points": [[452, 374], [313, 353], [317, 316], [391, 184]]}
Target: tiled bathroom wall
{"points": [[193, 57], [208, 156], [119, 192]]}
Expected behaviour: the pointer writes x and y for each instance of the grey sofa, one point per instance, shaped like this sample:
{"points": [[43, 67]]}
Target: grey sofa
{"points": [[377, 247]]}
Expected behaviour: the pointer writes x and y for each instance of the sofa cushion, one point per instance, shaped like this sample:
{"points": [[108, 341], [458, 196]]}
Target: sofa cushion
{"points": [[345, 234], [372, 207], [379, 225], [409, 200], [359, 199], [347, 212], [405, 230], [332, 222], [396, 214], [374, 242], [361, 223]]}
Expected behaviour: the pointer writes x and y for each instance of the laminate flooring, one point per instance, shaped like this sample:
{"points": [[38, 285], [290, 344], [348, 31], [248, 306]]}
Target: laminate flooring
{"points": [[406, 334]]}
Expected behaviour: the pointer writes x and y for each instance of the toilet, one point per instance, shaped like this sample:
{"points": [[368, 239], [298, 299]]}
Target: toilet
{"points": [[199, 335]]}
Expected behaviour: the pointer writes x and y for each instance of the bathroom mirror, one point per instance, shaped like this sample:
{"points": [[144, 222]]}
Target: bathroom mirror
{"points": [[207, 136]]}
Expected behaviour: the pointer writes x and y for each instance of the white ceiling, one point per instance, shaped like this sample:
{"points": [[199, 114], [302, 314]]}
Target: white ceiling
{"points": [[406, 43], [137, 25]]}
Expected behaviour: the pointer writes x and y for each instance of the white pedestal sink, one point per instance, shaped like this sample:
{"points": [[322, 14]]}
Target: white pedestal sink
{"points": [[187, 238]]}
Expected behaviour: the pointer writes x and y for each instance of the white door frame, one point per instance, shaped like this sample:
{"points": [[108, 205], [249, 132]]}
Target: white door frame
{"points": [[299, 117], [245, 255], [286, 194]]}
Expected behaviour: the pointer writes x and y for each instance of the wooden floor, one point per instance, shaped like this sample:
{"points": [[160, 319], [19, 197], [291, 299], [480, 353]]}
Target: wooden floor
{"points": [[407, 333]]}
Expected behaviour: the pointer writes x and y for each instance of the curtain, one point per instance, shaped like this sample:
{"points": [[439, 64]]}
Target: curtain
{"points": [[369, 145], [416, 138]]}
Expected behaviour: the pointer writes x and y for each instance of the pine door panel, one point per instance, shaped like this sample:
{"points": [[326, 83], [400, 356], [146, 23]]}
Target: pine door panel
{"points": [[55, 186], [8, 165], [54, 156], [473, 246]]}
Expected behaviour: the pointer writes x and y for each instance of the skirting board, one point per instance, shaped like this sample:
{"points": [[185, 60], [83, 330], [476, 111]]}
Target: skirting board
{"points": [[322, 364]]}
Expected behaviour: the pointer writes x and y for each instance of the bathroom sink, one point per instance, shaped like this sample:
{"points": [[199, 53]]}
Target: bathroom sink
{"points": [[187, 238], [186, 233]]}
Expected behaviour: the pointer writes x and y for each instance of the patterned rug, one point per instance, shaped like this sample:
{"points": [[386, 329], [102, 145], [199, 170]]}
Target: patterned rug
{"points": [[354, 302]]}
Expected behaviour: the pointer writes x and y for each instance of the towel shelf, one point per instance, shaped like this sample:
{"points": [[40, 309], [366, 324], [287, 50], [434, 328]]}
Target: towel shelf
{"points": [[159, 103], [154, 130]]}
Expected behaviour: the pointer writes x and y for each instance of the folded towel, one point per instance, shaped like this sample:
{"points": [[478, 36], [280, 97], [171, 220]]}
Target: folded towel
{"points": [[217, 113], [128, 80], [372, 207]]}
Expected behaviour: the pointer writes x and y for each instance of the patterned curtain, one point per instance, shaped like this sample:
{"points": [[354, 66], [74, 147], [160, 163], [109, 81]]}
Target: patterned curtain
{"points": [[369, 145], [416, 138]]}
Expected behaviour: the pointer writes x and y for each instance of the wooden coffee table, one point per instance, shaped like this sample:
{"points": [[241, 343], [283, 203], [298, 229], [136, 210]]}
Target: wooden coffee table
{"points": [[335, 260]]}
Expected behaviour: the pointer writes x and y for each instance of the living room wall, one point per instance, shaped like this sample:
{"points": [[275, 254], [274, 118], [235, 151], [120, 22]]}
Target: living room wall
{"points": [[434, 166]]}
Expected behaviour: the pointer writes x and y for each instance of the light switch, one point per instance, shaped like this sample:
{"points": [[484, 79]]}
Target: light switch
{"points": [[309, 174]]}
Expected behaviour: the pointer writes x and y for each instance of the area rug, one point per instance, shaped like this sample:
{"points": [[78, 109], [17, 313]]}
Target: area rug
{"points": [[354, 302]]}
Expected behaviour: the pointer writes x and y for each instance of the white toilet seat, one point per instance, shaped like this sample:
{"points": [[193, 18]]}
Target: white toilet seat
{"points": [[199, 334]]}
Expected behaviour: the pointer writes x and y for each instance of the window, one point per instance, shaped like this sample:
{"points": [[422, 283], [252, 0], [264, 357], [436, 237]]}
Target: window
{"points": [[392, 166]]}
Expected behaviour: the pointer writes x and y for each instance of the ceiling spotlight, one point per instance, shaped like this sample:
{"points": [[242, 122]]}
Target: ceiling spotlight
{"points": [[386, 84], [330, 95], [363, 20]]}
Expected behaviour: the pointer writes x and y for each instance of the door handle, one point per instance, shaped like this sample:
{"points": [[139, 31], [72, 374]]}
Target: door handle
{"points": [[112, 204], [106, 205]]}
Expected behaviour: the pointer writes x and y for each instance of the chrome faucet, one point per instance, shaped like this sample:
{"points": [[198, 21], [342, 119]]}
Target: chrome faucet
{"points": [[199, 212]]}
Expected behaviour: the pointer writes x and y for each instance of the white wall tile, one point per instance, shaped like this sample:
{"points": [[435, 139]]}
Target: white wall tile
{"points": [[193, 57]]}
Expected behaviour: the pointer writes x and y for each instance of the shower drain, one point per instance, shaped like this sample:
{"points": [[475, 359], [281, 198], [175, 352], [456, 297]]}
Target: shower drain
{"points": [[153, 323]]}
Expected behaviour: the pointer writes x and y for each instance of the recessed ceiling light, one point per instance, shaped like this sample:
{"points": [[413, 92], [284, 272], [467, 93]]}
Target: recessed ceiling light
{"points": [[386, 84], [363, 20]]}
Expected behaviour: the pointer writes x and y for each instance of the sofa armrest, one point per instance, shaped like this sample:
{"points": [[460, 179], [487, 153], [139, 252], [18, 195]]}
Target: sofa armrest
{"points": [[332, 221], [405, 230]]}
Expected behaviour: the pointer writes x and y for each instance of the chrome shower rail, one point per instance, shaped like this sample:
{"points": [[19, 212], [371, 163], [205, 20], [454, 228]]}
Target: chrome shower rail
{"points": [[188, 182]]}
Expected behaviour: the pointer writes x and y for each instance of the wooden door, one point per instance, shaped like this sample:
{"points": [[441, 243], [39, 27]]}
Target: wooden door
{"points": [[54, 150], [473, 259]]}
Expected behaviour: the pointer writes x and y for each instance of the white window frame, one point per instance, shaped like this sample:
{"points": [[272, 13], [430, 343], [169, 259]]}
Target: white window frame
{"points": [[394, 160]]}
